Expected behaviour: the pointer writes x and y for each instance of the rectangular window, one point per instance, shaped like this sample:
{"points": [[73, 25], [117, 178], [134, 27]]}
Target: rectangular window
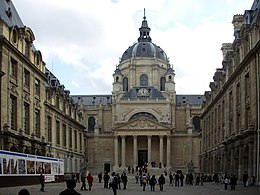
{"points": [[26, 119], [27, 78], [57, 101], [64, 135], [230, 101], [37, 86], [64, 106], [27, 49], [76, 139], [70, 137], [13, 68], [80, 141], [238, 93], [37, 123], [13, 112], [247, 85], [49, 126], [58, 132]]}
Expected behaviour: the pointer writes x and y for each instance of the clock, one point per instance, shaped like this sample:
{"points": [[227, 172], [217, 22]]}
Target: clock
{"points": [[143, 92]]}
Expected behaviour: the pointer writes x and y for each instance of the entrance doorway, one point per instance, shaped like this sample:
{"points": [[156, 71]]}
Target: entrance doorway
{"points": [[107, 167], [142, 157]]}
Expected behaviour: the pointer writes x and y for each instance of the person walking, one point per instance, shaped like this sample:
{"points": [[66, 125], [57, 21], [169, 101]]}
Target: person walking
{"points": [[161, 181], [90, 181], [114, 183], [245, 178], [24, 192], [42, 182], [144, 181], [233, 181], [177, 177], [181, 178], [152, 182], [170, 178], [71, 184], [226, 182], [106, 179], [83, 180], [100, 177], [124, 180]]}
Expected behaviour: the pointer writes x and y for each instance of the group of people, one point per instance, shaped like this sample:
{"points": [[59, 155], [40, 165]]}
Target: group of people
{"points": [[114, 181], [145, 180]]}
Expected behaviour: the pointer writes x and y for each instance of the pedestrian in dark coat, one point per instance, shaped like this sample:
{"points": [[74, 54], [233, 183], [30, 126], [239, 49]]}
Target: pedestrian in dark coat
{"points": [[100, 177], [83, 180], [106, 179], [71, 184], [181, 178], [170, 178], [124, 180], [42, 182], [114, 183], [161, 181], [152, 182], [23, 192], [233, 181], [245, 178]]}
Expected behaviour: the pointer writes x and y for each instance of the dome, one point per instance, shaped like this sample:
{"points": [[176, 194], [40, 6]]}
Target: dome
{"points": [[144, 47]]}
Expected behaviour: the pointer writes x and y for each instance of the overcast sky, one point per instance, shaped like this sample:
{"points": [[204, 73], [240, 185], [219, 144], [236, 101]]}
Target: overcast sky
{"points": [[81, 41]]}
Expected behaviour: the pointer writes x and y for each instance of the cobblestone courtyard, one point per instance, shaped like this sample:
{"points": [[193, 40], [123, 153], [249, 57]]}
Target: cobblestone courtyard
{"points": [[136, 189]]}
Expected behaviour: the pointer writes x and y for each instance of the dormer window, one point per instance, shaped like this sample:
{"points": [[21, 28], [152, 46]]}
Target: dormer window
{"points": [[9, 13], [14, 36]]}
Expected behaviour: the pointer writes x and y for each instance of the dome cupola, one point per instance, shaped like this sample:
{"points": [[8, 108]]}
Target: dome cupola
{"points": [[144, 47]]}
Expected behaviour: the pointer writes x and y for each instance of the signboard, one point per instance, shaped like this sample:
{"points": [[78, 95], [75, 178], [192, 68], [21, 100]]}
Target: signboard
{"points": [[14, 163]]}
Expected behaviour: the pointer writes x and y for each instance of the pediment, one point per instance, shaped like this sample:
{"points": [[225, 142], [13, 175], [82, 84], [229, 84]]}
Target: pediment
{"points": [[141, 124]]}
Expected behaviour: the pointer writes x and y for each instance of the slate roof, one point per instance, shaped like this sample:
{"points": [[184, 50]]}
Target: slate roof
{"points": [[9, 14], [144, 47], [92, 100], [194, 100]]}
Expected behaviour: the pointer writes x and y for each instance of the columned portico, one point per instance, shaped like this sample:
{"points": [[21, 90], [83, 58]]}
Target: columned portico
{"points": [[149, 144], [140, 141], [135, 150], [116, 151], [123, 150], [161, 149], [168, 161]]}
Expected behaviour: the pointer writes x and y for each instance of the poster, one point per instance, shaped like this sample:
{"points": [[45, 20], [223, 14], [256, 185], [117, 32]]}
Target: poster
{"points": [[30, 167]]}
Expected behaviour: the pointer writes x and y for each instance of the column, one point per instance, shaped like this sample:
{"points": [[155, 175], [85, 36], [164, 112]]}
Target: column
{"points": [[123, 150], [116, 151], [149, 148], [168, 152], [135, 150], [161, 149]]}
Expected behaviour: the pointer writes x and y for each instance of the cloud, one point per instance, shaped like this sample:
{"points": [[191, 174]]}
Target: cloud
{"points": [[82, 41]]}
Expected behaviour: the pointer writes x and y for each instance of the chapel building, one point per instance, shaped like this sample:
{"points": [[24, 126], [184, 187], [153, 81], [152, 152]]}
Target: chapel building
{"points": [[143, 120]]}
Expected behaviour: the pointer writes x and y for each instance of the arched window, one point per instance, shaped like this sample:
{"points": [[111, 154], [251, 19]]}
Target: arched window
{"points": [[143, 80], [117, 79], [196, 123], [143, 114], [125, 84], [162, 84], [91, 124]]}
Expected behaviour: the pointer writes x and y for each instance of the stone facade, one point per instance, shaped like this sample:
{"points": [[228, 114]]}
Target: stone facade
{"points": [[37, 113], [231, 111], [143, 120]]}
